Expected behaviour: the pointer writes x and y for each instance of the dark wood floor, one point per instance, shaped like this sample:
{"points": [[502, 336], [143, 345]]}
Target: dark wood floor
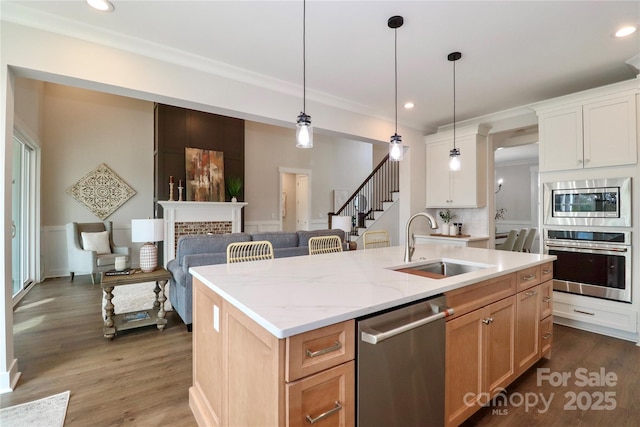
{"points": [[142, 377], [573, 404]]}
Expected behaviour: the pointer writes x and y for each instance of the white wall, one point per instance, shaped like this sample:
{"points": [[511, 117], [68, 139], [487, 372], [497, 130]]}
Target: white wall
{"points": [[28, 108], [515, 195], [83, 129], [335, 163]]}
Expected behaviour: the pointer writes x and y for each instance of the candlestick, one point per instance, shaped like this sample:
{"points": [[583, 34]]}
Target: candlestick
{"points": [[180, 193], [171, 191], [180, 184], [171, 179]]}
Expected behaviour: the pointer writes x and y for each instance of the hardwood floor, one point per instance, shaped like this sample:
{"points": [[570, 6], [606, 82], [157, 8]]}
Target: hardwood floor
{"points": [[573, 404], [142, 377]]}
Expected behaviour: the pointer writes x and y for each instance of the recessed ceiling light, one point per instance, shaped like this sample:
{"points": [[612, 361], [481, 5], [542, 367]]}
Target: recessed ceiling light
{"points": [[101, 5], [625, 31], [409, 105]]}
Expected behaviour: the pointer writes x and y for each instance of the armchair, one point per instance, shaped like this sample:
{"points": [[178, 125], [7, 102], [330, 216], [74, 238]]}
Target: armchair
{"points": [[92, 261]]}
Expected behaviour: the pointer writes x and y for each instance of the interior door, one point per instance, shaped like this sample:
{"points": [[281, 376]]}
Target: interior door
{"points": [[302, 202]]}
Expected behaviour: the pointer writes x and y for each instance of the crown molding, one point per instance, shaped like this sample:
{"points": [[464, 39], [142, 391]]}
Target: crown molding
{"points": [[33, 18]]}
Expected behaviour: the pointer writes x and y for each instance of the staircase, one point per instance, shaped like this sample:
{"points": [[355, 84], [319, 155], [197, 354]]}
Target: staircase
{"points": [[378, 192]]}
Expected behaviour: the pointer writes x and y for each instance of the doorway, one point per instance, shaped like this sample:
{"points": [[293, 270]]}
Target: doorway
{"points": [[516, 195], [295, 199]]}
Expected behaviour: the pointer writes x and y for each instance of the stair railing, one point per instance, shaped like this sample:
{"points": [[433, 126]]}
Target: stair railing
{"points": [[370, 195]]}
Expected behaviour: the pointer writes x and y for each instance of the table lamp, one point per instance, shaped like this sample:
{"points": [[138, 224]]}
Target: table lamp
{"points": [[342, 223], [148, 231]]}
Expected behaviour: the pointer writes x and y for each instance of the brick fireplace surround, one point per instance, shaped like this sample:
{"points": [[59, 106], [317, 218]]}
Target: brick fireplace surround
{"points": [[182, 218]]}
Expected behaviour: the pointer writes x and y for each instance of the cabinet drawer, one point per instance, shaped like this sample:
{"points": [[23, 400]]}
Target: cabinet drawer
{"points": [[546, 272], [546, 299], [546, 336], [622, 319], [319, 349], [469, 298], [528, 277], [328, 397]]}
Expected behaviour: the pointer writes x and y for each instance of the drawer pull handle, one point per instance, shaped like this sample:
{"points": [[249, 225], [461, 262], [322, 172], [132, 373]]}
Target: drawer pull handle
{"points": [[546, 271], [584, 312], [546, 336], [324, 415], [487, 320], [336, 346], [529, 294], [529, 277], [546, 299]]}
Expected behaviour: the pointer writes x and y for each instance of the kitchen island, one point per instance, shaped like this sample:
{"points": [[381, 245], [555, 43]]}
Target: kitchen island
{"points": [[273, 338]]}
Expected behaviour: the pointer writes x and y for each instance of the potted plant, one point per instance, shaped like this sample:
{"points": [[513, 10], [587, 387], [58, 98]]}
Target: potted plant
{"points": [[234, 186], [448, 216]]}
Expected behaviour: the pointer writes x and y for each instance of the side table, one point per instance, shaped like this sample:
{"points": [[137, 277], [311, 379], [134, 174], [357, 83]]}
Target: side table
{"points": [[123, 321]]}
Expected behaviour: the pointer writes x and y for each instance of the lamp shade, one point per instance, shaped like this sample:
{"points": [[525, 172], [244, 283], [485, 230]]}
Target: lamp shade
{"points": [[147, 230], [342, 223]]}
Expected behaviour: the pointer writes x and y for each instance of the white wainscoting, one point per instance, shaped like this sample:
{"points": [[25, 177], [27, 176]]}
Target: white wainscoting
{"points": [[54, 260], [271, 225]]}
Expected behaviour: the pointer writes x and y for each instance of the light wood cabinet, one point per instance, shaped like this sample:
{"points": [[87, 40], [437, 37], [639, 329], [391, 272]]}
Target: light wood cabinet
{"points": [[479, 358], [456, 189], [527, 349], [593, 133], [499, 329], [243, 375], [327, 396]]}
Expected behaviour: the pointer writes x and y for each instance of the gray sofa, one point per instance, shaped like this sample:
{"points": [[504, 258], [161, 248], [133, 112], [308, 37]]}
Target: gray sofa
{"points": [[197, 250]]}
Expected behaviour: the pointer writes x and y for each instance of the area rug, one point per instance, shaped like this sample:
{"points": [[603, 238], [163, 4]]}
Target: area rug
{"points": [[47, 412], [139, 296]]}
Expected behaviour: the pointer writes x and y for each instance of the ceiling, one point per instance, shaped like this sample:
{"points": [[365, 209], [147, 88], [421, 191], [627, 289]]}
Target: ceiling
{"points": [[513, 53]]}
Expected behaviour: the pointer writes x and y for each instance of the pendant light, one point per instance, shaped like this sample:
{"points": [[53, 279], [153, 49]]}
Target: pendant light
{"points": [[454, 154], [304, 130], [395, 147]]}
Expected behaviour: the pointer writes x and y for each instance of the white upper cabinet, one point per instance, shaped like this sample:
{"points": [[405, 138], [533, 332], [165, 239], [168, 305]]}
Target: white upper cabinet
{"points": [[465, 188], [596, 131]]}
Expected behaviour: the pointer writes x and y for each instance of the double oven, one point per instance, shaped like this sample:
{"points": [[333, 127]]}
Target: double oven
{"points": [[587, 227]]}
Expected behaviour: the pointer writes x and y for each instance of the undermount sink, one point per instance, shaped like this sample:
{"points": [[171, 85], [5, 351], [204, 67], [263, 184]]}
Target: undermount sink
{"points": [[441, 268]]}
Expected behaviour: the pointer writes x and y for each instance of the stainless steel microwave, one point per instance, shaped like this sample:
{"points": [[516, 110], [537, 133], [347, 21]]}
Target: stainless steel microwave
{"points": [[593, 202]]}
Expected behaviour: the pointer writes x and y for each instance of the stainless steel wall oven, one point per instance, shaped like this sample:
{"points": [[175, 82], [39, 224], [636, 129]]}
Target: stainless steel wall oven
{"points": [[593, 263]]}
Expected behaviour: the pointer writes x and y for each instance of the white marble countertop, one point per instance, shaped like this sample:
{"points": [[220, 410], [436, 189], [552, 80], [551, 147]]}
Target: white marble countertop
{"points": [[288, 296], [443, 237]]}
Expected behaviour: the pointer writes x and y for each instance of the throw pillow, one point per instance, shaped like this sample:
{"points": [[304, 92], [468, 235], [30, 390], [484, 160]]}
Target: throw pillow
{"points": [[98, 242]]}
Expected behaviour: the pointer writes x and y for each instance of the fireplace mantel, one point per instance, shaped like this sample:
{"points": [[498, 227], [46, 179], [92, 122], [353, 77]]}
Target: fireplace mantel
{"points": [[185, 212]]}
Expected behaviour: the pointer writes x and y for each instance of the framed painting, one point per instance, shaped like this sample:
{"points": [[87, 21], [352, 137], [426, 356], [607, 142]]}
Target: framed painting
{"points": [[205, 175]]}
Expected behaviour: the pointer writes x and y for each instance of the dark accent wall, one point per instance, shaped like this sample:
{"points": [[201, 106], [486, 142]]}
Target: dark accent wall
{"points": [[176, 128]]}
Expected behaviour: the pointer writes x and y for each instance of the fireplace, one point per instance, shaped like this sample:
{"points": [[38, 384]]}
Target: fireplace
{"points": [[182, 218]]}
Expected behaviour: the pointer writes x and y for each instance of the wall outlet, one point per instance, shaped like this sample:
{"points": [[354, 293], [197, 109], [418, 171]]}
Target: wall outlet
{"points": [[216, 318]]}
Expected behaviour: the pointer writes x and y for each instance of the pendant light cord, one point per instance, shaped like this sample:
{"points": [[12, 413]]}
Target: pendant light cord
{"points": [[304, 56], [454, 104], [395, 32]]}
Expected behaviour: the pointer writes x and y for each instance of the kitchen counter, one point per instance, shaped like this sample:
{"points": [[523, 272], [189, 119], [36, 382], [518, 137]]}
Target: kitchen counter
{"points": [[289, 296]]}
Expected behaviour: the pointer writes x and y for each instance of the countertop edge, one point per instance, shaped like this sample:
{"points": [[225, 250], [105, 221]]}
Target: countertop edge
{"points": [[447, 285]]}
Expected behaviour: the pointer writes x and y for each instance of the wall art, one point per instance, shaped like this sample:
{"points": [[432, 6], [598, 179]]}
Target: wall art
{"points": [[101, 191], [205, 175]]}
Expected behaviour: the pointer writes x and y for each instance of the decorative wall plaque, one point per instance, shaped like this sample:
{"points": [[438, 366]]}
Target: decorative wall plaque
{"points": [[101, 191]]}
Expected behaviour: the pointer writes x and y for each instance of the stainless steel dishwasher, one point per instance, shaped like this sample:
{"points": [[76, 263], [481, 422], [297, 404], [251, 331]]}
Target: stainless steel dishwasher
{"points": [[400, 366]]}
